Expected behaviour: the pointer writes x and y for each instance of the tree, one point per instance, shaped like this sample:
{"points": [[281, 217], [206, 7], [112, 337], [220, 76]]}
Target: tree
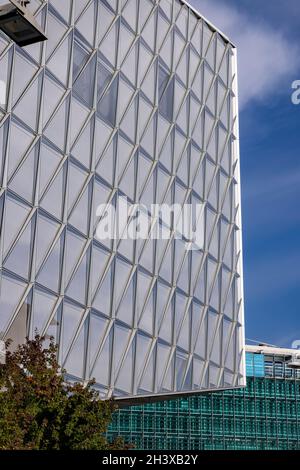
{"points": [[40, 410]]}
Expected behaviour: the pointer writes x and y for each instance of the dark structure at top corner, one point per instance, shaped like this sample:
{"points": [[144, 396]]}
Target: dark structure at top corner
{"points": [[17, 23]]}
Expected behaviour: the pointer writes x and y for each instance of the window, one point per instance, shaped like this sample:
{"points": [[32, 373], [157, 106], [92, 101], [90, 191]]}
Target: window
{"points": [[165, 94], [107, 104]]}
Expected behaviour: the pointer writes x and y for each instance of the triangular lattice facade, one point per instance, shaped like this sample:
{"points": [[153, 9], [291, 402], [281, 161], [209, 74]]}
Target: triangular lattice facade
{"points": [[135, 98]]}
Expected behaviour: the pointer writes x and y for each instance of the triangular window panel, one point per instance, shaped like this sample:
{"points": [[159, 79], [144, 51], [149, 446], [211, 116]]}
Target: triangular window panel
{"points": [[166, 156], [145, 111], [76, 358], [76, 180], [20, 258], [163, 354], [98, 325], [60, 61], [23, 182], [148, 85], [127, 182], [168, 383], [79, 114], [106, 166], [46, 231], [84, 86], [102, 135], [166, 52], [19, 141], [147, 382], [220, 51], [181, 364], [42, 307], [147, 256], [148, 33], [128, 124], [124, 152], [52, 95], [102, 299], [143, 344], [49, 161], [99, 261], [130, 13], [197, 317], [129, 66], [179, 44], [74, 248], [124, 97], [197, 133], [149, 138], [211, 52], [126, 39], [63, 8], [184, 333], [197, 257], [122, 273], [4, 74], [11, 292], [124, 379], [144, 61], [108, 45], [163, 127], [125, 309], [143, 285], [200, 345], [86, 23], [14, 218], [209, 175], [199, 291], [77, 289], [198, 366], [80, 58], [121, 337], [24, 71], [71, 318], [56, 129], [165, 270], [80, 215], [207, 36], [53, 201], [101, 370], [105, 19], [146, 321], [58, 29], [3, 142], [82, 149], [50, 273], [107, 106], [166, 327], [30, 100]]}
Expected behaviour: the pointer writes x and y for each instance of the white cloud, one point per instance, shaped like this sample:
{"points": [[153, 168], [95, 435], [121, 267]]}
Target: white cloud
{"points": [[265, 56]]}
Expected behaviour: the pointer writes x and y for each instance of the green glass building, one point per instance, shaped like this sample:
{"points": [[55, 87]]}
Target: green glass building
{"points": [[263, 415]]}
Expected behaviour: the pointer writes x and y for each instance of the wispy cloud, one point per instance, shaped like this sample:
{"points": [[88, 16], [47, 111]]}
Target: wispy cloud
{"points": [[273, 275], [266, 57], [271, 203], [287, 341], [286, 183]]}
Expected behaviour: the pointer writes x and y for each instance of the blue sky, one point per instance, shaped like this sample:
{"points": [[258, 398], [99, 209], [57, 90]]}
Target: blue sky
{"points": [[268, 39]]}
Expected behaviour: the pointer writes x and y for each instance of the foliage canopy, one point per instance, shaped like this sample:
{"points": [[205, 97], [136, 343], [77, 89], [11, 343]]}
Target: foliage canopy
{"points": [[39, 410]]}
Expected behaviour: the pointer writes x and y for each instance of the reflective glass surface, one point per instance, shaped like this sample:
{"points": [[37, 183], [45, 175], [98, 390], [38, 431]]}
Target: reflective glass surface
{"points": [[132, 98]]}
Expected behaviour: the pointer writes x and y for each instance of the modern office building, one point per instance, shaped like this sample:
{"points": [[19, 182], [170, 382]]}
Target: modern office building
{"points": [[264, 415], [135, 99]]}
